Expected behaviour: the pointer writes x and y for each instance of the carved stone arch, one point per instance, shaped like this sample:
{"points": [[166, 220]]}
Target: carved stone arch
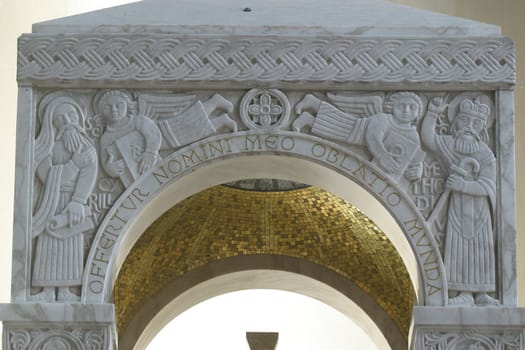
{"points": [[194, 74], [262, 272], [154, 193]]}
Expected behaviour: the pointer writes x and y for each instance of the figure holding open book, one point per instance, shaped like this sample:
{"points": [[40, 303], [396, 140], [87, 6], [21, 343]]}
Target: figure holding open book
{"points": [[389, 136], [130, 144], [135, 131]]}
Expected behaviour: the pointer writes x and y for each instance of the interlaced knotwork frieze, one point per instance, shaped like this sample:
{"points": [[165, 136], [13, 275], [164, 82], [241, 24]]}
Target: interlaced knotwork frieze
{"points": [[162, 58]]}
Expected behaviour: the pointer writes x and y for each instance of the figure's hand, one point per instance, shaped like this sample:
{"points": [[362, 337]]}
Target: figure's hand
{"points": [[388, 163], [414, 171], [115, 167], [455, 183], [437, 105], [76, 212], [84, 158], [147, 161]]}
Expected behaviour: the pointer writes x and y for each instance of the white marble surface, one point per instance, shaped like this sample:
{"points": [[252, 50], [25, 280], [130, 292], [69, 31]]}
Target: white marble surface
{"points": [[506, 201], [26, 119], [146, 199], [60, 313], [367, 18], [500, 317], [494, 328], [282, 33], [211, 60]]}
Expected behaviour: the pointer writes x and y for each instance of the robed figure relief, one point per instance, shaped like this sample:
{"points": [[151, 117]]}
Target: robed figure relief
{"points": [[130, 143], [389, 136], [66, 168], [136, 131], [469, 255]]}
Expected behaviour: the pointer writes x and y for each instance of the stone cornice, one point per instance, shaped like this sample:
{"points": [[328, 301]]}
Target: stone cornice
{"points": [[122, 57]]}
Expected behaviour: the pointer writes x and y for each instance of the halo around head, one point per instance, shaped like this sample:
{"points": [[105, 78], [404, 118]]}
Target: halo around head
{"points": [[101, 95], [396, 96]]}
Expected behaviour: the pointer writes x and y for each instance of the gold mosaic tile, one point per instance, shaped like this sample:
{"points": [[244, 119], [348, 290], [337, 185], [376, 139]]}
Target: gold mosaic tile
{"points": [[223, 222]]}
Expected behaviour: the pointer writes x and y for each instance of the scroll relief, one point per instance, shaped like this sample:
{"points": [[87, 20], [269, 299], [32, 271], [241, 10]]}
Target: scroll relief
{"points": [[90, 147], [471, 339], [64, 338], [72, 193], [450, 173]]}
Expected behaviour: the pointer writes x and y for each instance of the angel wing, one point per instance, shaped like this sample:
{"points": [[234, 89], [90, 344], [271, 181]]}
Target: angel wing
{"points": [[358, 105], [163, 106]]}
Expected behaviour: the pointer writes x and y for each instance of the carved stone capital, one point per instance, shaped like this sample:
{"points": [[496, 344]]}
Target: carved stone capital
{"points": [[451, 328], [472, 339], [57, 337], [58, 326]]}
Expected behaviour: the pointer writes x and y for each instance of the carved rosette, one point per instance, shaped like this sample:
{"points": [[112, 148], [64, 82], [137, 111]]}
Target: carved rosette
{"points": [[265, 109], [385, 129], [174, 104]]}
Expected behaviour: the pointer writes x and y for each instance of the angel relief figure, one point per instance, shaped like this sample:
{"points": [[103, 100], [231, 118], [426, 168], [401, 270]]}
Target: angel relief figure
{"points": [[390, 136], [135, 132], [130, 143]]}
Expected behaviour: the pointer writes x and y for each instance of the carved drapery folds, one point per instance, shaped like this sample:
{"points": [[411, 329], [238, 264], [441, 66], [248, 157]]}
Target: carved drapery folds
{"points": [[437, 148], [419, 121], [126, 136], [66, 171]]}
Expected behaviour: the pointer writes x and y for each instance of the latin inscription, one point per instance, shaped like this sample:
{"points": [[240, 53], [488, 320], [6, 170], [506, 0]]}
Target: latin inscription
{"points": [[187, 159], [429, 187], [427, 254], [268, 143], [190, 158]]}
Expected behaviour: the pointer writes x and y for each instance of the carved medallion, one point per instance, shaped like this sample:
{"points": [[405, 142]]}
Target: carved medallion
{"points": [[264, 109]]}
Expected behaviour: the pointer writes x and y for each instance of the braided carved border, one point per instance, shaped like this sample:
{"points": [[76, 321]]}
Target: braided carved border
{"points": [[168, 58]]}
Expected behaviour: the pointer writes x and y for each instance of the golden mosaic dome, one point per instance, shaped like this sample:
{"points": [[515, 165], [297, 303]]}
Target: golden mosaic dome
{"points": [[299, 222]]}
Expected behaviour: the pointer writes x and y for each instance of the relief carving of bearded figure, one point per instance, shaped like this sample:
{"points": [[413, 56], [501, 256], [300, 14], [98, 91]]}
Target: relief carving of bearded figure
{"points": [[469, 255], [66, 162]]}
